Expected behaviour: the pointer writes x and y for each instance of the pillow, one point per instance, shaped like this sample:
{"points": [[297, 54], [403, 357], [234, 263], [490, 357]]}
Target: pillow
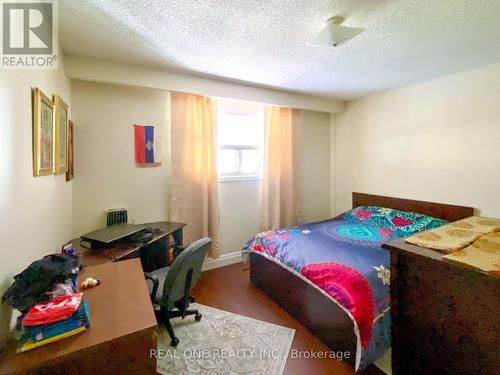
{"points": [[401, 223], [478, 224], [483, 254], [456, 235], [446, 238]]}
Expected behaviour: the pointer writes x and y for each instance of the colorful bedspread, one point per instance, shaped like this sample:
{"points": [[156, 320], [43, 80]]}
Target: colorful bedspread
{"points": [[344, 258]]}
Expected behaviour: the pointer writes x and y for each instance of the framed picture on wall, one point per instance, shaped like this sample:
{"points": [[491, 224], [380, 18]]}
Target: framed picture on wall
{"points": [[43, 134], [70, 171], [60, 135]]}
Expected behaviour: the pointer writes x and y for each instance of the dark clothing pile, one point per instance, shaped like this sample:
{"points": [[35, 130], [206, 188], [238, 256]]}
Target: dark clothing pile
{"points": [[30, 286]]}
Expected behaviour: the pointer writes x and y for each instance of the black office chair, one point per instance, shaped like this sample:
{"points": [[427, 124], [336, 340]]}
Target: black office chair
{"points": [[170, 287]]}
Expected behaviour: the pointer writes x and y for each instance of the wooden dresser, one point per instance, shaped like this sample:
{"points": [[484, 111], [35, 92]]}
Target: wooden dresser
{"points": [[445, 316]]}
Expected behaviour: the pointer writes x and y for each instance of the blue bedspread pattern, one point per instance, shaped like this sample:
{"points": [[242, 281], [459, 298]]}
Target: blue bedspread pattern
{"points": [[343, 257]]}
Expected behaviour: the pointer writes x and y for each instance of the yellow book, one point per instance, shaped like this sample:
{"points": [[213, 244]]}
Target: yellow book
{"points": [[28, 345]]}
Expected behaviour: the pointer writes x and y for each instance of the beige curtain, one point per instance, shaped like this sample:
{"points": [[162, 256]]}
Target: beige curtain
{"points": [[193, 189], [281, 201]]}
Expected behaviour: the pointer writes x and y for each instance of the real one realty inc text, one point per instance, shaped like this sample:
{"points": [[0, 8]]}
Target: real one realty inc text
{"points": [[217, 353]]}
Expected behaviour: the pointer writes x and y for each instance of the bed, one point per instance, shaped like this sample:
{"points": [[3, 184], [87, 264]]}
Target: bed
{"points": [[333, 275]]}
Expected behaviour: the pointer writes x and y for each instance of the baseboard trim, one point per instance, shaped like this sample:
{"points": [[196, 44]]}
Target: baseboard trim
{"points": [[223, 260]]}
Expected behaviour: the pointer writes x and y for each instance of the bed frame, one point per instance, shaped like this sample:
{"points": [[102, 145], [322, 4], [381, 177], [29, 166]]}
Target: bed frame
{"points": [[307, 304]]}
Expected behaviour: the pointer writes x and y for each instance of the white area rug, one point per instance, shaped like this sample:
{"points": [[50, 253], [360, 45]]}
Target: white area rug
{"points": [[224, 343]]}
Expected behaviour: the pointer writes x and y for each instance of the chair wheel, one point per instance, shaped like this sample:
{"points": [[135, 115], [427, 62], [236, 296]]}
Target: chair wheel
{"points": [[174, 341], [197, 317]]}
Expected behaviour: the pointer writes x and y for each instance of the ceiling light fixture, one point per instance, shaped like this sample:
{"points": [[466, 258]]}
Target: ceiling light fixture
{"points": [[334, 34]]}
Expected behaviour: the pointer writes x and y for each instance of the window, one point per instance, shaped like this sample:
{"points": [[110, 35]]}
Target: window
{"points": [[240, 139]]}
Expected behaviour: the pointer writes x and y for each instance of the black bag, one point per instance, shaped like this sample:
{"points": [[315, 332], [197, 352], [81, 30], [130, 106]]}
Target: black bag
{"points": [[30, 286]]}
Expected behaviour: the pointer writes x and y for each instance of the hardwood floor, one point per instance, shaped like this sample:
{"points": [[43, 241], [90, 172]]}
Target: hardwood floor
{"points": [[229, 288]]}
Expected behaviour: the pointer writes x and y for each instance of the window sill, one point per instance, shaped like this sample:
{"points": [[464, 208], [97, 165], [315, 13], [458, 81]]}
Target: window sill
{"points": [[238, 178]]}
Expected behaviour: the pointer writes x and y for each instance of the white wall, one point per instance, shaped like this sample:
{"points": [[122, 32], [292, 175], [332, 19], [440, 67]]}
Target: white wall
{"points": [[35, 211], [97, 70], [105, 171], [437, 141], [239, 206], [106, 176], [315, 165]]}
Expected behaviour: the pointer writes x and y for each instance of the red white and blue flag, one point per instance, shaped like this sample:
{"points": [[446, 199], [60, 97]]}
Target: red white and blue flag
{"points": [[146, 144]]}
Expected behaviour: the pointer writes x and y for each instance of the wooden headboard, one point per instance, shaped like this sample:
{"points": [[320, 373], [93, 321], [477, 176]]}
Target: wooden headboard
{"points": [[447, 212]]}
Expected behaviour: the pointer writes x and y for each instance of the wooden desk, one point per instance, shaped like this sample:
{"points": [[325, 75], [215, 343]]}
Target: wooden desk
{"points": [[90, 257], [444, 315], [122, 330]]}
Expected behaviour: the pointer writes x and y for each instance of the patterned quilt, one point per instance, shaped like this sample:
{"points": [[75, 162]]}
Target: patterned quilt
{"points": [[343, 257]]}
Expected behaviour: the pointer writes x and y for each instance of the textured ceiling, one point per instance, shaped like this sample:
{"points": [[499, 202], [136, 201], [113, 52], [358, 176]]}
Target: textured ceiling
{"points": [[264, 41]]}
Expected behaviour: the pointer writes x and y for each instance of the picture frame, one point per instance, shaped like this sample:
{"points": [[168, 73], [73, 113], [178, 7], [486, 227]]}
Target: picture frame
{"points": [[70, 172], [43, 133], [61, 121]]}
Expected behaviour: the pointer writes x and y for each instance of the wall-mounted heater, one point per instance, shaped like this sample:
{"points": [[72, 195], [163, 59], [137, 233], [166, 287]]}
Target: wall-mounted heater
{"points": [[116, 216]]}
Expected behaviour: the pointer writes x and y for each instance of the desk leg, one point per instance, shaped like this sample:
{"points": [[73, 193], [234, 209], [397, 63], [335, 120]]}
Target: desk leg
{"points": [[177, 235]]}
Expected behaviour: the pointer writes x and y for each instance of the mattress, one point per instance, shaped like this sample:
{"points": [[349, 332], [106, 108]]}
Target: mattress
{"points": [[343, 258]]}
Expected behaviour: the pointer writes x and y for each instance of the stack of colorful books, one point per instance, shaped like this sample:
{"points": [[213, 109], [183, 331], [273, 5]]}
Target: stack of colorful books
{"points": [[54, 320]]}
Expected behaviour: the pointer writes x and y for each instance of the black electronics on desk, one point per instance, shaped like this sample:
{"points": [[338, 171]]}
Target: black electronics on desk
{"points": [[105, 236]]}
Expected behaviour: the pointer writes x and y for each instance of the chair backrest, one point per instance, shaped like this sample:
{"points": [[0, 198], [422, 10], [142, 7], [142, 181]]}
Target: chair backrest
{"points": [[190, 259]]}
